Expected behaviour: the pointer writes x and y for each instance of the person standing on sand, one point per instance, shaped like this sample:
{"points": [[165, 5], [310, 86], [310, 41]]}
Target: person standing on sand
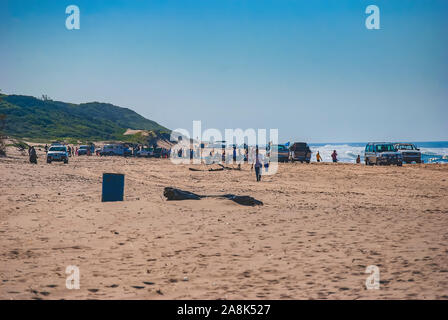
{"points": [[318, 157], [358, 159], [258, 164], [334, 155], [33, 155], [234, 154]]}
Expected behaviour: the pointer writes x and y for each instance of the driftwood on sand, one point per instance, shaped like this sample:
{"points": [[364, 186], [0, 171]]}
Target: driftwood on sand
{"points": [[177, 194], [218, 169], [211, 169]]}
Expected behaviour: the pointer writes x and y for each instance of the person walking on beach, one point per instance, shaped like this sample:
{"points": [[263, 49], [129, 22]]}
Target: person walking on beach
{"points": [[358, 159], [258, 163], [46, 148], [33, 155], [334, 155], [318, 157]]}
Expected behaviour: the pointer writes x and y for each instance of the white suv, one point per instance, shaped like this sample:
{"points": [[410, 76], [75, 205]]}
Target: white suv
{"points": [[57, 153]]}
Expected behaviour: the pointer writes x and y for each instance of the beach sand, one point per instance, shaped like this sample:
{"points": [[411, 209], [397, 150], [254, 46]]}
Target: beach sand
{"points": [[320, 227]]}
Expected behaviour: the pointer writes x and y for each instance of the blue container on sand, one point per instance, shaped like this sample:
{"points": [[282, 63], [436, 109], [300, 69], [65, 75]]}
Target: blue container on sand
{"points": [[113, 187]]}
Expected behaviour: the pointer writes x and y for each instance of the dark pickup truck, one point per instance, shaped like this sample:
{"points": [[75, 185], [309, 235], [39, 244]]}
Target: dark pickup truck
{"points": [[300, 151]]}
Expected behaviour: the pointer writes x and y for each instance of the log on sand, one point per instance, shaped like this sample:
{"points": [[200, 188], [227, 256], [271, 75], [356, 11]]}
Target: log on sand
{"points": [[218, 169], [178, 194]]}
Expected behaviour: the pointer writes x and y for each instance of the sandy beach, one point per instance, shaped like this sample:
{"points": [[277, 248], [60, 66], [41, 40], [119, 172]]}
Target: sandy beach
{"points": [[320, 226]]}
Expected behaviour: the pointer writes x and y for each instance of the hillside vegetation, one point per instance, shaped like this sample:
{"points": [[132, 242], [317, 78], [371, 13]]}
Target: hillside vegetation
{"points": [[35, 119]]}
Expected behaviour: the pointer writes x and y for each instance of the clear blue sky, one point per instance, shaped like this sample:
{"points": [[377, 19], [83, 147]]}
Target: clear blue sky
{"points": [[309, 68]]}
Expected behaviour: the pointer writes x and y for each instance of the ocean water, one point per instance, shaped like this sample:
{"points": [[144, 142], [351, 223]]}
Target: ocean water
{"points": [[432, 152]]}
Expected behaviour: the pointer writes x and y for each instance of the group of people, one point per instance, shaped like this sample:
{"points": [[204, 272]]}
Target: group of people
{"points": [[210, 155], [258, 160], [334, 157]]}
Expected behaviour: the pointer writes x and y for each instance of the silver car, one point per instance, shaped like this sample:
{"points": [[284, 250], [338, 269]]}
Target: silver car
{"points": [[409, 152], [382, 153], [57, 153]]}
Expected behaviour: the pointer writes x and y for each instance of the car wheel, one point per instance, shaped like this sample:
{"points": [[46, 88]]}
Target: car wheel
{"points": [[48, 161], [65, 161], [400, 164], [307, 161]]}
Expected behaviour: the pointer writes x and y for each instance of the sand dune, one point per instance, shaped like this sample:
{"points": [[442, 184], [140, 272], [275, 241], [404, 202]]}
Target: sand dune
{"points": [[320, 227]]}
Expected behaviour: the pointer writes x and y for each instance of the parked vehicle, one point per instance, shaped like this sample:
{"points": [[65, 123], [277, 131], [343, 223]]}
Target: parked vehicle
{"points": [[300, 151], [382, 153], [281, 152], [83, 150], [146, 152], [57, 153], [115, 150], [157, 153], [127, 152], [409, 152]]}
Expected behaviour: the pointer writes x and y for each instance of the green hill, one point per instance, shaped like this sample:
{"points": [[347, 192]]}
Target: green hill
{"points": [[32, 118]]}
